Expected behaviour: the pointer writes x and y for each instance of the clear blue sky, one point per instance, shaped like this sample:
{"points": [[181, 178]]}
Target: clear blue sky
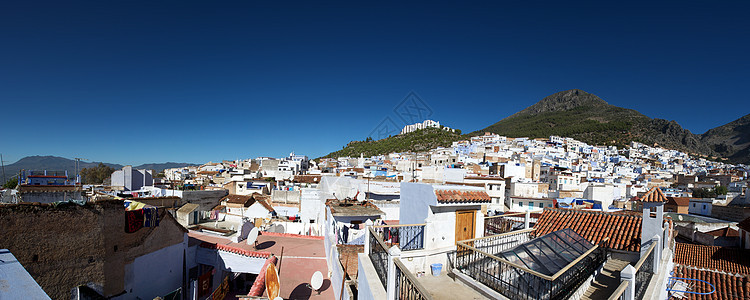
{"points": [[191, 81]]}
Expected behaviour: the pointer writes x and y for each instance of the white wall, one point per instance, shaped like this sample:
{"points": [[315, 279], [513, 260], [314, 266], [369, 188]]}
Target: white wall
{"points": [[416, 199], [155, 274], [392, 209]]}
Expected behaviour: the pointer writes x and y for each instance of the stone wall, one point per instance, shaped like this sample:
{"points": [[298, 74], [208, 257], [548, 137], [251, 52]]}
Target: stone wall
{"points": [[69, 245], [730, 213]]}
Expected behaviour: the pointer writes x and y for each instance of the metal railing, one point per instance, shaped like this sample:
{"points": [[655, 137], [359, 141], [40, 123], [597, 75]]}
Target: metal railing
{"points": [[503, 223], [407, 286], [406, 237], [501, 242], [379, 257], [644, 271], [617, 295], [518, 282]]}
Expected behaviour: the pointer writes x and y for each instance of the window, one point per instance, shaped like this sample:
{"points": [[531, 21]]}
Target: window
{"points": [[549, 205], [541, 205], [704, 206], [520, 203], [693, 204]]}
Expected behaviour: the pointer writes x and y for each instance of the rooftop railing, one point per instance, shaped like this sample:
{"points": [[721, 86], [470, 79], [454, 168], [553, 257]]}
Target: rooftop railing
{"points": [[618, 294], [407, 237], [644, 271], [504, 223], [516, 281], [407, 286], [379, 256], [403, 284]]}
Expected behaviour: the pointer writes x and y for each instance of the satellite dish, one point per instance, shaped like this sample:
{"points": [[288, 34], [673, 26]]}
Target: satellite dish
{"points": [[317, 280], [252, 237], [272, 281]]}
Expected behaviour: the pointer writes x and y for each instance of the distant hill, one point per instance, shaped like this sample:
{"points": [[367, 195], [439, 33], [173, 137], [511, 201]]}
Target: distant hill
{"points": [[588, 118], [55, 163], [420, 140], [731, 140]]}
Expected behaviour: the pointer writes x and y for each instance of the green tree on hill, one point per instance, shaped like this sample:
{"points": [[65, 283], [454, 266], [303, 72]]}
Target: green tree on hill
{"points": [[96, 175], [11, 183]]}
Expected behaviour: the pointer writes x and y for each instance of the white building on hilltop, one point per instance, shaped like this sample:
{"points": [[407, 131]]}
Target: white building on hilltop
{"points": [[423, 125]]}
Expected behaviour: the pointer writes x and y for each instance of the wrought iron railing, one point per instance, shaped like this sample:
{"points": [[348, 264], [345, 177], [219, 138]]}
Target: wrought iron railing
{"points": [[518, 282], [379, 257], [406, 237], [503, 223], [644, 269], [500, 242], [407, 286], [617, 295]]}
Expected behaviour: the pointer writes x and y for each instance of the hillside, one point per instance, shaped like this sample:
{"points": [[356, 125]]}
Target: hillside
{"points": [[588, 118], [420, 140], [55, 163], [731, 140]]}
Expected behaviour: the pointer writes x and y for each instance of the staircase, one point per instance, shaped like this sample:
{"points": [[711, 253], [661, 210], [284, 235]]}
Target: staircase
{"points": [[607, 281]]}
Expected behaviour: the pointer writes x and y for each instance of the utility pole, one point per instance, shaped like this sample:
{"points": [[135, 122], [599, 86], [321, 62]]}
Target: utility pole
{"points": [[2, 162], [78, 163]]}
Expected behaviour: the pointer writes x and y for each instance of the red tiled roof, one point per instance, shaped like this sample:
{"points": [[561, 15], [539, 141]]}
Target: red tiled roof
{"points": [[728, 286], [713, 257], [235, 250], [744, 225], [679, 201], [307, 178], [724, 232], [654, 195], [624, 231], [246, 200], [456, 196]]}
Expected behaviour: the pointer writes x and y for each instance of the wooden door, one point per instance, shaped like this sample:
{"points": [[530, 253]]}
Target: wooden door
{"points": [[465, 222]]}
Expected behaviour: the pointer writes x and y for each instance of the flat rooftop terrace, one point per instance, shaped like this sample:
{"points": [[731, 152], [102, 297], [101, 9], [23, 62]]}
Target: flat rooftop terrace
{"points": [[302, 256]]}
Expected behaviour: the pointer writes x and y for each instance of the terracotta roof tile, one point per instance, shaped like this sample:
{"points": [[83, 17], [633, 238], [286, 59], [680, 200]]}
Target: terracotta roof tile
{"points": [[654, 195], [455, 196], [679, 201], [728, 286], [624, 231], [713, 257]]}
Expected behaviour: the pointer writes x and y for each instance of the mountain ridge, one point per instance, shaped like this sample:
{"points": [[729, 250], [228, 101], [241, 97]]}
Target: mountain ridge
{"points": [[56, 163], [586, 117]]}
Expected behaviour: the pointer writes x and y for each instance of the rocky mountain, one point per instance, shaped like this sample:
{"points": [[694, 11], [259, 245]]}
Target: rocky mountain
{"points": [[731, 140], [586, 117], [55, 163]]}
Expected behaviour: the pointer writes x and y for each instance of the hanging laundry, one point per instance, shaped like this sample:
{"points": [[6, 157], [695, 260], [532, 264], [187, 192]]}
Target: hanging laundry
{"points": [[151, 217], [356, 237], [345, 233], [133, 220]]}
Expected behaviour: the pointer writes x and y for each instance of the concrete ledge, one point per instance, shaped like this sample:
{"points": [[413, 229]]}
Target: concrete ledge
{"points": [[368, 283], [476, 285]]}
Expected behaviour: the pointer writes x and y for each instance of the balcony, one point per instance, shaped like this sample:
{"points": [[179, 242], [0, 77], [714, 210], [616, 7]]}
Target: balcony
{"points": [[396, 280]]}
